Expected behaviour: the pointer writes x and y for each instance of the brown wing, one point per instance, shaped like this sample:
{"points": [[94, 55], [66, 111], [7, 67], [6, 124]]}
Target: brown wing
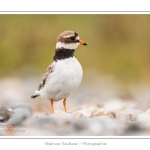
{"points": [[45, 75]]}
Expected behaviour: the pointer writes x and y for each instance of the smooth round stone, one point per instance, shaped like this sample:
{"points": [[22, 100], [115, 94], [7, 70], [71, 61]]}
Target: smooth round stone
{"points": [[43, 121], [103, 117], [79, 124], [133, 128], [128, 114], [86, 111], [4, 114], [103, 112], [96, 127], [21, 105], [43, 114], [101, 126], [77, 114], [143, 117], [19, 116]]}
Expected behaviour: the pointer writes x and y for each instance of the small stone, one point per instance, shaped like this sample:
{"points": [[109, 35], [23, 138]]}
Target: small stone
{"points": [[96, 127], [43, 121], [101, 126], [19, 116], [133, 128], [103, 112], [79, 124], [45, 114], [10, 110], [86, 111], [77, 114], [4, 114], [128, 114], [24, 106], [143, 117], [103, 117]]}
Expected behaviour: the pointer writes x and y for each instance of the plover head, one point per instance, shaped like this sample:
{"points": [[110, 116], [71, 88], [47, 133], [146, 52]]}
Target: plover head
{"points": [[68, 40]]}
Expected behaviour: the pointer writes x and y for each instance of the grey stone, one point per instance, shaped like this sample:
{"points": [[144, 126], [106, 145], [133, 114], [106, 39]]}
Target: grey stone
{"points": [[77, 115], [133, 128], [103, 112], [86, 111], [143, 117], [21, 105], [41, 121], [19, 116], [4, 114], [128, 114], [101, 126]]}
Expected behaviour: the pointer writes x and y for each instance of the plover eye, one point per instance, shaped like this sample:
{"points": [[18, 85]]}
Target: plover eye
{"points": [[77, 40], [72, 38]]}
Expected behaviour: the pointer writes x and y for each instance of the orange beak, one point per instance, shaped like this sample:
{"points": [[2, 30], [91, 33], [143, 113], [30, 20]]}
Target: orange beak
{"points": [[82, 43]]}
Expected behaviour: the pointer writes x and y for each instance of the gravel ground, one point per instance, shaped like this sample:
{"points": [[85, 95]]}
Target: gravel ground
{"points": [[92, 110]]}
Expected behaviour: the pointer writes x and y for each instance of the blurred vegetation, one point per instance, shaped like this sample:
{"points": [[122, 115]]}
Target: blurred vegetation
{"points": [[118, 45]]}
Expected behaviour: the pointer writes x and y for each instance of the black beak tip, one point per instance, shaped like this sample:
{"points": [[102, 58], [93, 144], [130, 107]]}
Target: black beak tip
{"points": [[85, 44]]}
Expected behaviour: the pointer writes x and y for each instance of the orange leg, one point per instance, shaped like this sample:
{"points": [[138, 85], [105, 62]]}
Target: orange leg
{"points": [[64, 102], [51, 104]]}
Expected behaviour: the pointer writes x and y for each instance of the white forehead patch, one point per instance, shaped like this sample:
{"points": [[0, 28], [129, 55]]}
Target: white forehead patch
{"points": [[67, 45], [77, 38]]}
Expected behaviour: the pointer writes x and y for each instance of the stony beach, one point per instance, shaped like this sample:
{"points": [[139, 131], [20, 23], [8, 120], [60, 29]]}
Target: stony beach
{"points": [[94, 109]]}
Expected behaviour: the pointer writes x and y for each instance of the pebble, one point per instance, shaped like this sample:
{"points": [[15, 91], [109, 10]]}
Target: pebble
{"points": [[128, 114], [103, 112], [4, 114], [143, 117], [19, 116], [77, 114], [43, 121], [133, 128], [101, 126], [86, 111], [78, 124], [87, 121], [21, 105]]}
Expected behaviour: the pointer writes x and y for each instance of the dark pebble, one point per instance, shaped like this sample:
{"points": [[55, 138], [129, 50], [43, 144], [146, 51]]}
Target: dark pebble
{"points": [[4, 114]]}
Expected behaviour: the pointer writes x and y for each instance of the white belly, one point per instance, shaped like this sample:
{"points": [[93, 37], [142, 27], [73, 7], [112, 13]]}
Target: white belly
{"points": [[65, 78]]}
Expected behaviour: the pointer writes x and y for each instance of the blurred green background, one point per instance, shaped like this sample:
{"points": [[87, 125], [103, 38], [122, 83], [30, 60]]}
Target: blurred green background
{"points": [[118, 45]]}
